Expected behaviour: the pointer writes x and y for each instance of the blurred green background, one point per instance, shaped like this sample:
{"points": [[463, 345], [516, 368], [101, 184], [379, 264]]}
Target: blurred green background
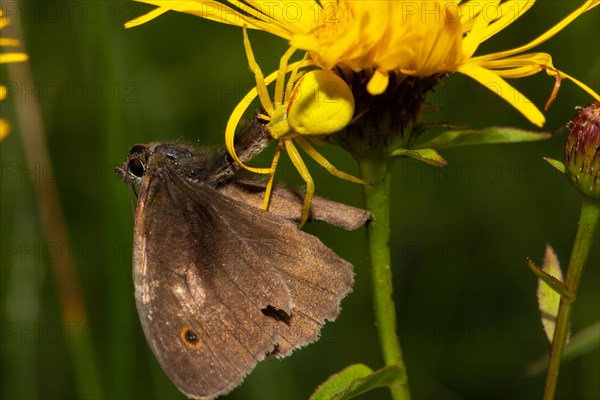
{"points": [[466, 301]]}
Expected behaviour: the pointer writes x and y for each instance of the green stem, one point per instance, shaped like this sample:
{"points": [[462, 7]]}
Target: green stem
{"points": [[588, 221], [377, 200]]}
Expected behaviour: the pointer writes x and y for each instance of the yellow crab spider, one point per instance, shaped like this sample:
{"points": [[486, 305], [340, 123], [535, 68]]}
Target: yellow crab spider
{"points": [[314, 103]]}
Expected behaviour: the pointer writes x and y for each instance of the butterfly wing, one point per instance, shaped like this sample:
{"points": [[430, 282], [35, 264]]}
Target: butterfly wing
{"points": [[219, 284]]}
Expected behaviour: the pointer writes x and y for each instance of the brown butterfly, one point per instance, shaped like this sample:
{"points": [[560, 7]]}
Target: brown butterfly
{"points": [[219, 282]]}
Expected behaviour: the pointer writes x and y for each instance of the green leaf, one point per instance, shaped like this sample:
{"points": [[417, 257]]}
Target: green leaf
{"points": [[559, 165], [356, 380], [585, 341], [582, 342], [548, 298], [467, 137], [430, 156], [340, 381], [551, 281]]}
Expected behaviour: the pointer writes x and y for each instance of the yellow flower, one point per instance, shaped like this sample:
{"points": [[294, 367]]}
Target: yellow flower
{"points": [[7, 58], [407, 38]]}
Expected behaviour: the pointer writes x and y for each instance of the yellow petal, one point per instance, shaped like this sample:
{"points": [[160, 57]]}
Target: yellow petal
{"points": [[12, 57], [9, 42], [378, 82], [475, 36], [509, 12], [528, 64], [469, 11], [518, 66], [252, 15], [549, 34], [305, 42], [4, 129], [519, 72], [146, 17], [3, 92], [488, 78], [291, 16], [483, 26], [4, 21], [399, 58], [582, 85]]}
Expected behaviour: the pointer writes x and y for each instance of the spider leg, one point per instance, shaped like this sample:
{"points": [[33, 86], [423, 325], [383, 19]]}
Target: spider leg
{"points": [[310, 184], [293, 78], [261, 86], [269, 188], [317, 140], [283, 63], [264, 117], [232, 124], [322, 161], [241, 108]]}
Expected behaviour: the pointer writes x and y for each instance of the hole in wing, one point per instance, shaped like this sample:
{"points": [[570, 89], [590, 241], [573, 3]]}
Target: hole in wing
{"points": [[277, 314], [274, 352]]}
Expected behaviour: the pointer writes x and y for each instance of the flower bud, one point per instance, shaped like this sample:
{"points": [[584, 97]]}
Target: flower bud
{"points": [[582, 152]]}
